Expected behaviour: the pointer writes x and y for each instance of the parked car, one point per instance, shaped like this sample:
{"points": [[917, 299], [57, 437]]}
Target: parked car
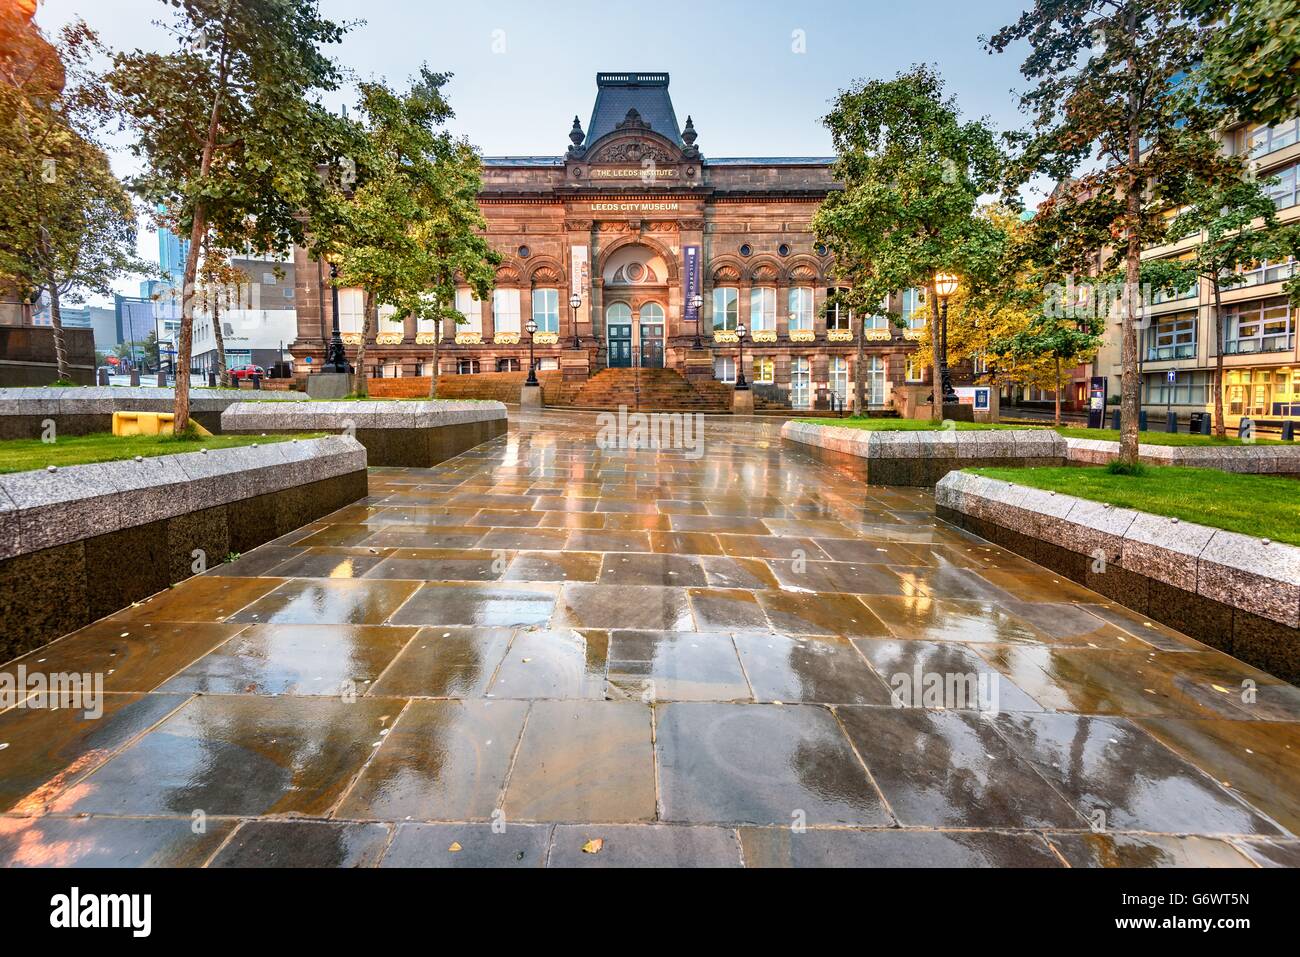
{"points": [[247, 372]]}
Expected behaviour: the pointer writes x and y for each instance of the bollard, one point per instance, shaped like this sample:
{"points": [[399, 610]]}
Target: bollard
{"points": [[102, 377], [1246, 428], [1114, 420], [1171, 422], [135, 377], [1142, 421], [1288, 431], [212, 380], [162, 380], [257, 381], [1207, 425]]}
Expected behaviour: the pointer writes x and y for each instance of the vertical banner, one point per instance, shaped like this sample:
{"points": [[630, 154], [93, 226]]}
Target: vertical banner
{"points": [[691, 285], [580, 279]]}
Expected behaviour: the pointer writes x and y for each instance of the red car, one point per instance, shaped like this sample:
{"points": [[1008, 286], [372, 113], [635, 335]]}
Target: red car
{"points": [[247, 372]]}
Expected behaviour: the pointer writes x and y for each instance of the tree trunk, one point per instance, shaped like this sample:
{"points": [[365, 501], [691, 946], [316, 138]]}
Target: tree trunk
{"points": [[223, 374], [860, 372], [433, 373], [1130, 399], [936, 381], [56, 321], [1220, 426], [1057, 419], [361, 387]]}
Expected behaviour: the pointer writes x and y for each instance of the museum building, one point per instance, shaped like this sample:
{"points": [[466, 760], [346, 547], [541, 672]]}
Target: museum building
{"points": [[637, 222]]}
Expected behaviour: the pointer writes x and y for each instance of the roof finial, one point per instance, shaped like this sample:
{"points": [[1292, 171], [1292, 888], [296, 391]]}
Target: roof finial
{"points": [[576, 136], [689, 135]]}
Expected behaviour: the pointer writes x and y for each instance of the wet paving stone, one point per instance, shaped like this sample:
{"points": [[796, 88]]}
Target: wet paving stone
{"points": [[1145, 850], [938, 619], [1063, 624], [821, 614], [242, 756], [131, 656], [441, 566], [303, 844], [259, 561], [327, 602], [553, 664], [942, 675], [468, 845], [442, 761], [718, 609], [554, 567], [445, 662], [1119, 777], [652, 846], [312, 564], [630, 606], [584, 761], [332, 660], [951, 769], [504, 605], [760, 764], [675, 666], [782, 847], [48, 750], [825, 669], [652, 569], [1271, 853], [108, 842], [205, 598], [841, 577], [726, 572]]}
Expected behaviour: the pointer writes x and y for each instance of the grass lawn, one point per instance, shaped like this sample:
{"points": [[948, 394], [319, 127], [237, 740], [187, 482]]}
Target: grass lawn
{"points": [[23, 455], [1070, 432], [1265, 506]]}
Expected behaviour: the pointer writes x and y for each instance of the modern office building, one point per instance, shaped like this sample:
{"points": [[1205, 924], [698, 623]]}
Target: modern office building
{"points": [[636, 220]]}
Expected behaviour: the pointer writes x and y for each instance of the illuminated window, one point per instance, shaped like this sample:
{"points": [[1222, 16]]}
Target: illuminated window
{"points": [[762, 308], [546, 309], [726, 307], [505, 310], [801, 308]]}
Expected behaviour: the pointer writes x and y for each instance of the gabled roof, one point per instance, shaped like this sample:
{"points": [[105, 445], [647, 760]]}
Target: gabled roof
{"points": [[647, 93]]}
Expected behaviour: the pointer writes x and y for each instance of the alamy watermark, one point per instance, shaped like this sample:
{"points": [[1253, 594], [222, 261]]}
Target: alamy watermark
{"points": [[651, 430], [947, 690], [38, 691]]}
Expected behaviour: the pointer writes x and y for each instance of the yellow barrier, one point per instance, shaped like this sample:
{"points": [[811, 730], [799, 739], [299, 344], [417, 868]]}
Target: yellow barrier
{"points": [[149, 423]]}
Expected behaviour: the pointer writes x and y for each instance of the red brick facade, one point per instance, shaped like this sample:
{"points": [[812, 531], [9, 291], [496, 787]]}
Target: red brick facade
{"points": [[612, 220]]}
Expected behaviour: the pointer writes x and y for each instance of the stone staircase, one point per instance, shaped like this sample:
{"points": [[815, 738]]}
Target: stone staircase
{"points": [[651, 389]]}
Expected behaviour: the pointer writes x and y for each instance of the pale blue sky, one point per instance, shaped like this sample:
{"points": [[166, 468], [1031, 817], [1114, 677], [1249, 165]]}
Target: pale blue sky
{"points": [[733, 65]]}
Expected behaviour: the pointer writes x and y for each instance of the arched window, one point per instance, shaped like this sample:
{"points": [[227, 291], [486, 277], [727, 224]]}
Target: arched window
{"points": [[652, 312], [620, 313]]}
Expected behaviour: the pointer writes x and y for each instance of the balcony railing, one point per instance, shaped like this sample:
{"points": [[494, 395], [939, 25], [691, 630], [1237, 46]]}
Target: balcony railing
{"points": [[1164, 353], [1279, 343]]}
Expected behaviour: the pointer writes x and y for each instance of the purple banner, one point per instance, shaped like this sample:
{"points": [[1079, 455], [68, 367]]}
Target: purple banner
{"points": [[691, 285]]}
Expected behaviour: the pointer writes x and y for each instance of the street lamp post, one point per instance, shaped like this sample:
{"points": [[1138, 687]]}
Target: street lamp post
{"points": [[697, 303], [336, 356], [575, 302], [741, 384], [945, 284], [532, 366]]}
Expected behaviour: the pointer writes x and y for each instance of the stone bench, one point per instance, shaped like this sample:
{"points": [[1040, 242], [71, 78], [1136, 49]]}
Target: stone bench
{"points": [[83, 541], [89, 410], [408, 434], [922, 458], [1233, 592], [1255, 459]]}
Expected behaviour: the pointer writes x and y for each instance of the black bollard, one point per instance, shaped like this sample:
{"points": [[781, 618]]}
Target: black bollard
{"points": [[162, 380], [135, 377], [212, 380], [1288, 430], [1207, 424], [1171, 422], [1142, 421], [1114, 420]]}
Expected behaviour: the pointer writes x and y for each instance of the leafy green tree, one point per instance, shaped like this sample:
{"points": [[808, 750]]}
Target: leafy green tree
{"points": [[67, 226], [912, 173], [413, 227], [1062, 340], [1116, 122], [1252, 58], [1238, 227], [231, 131]]}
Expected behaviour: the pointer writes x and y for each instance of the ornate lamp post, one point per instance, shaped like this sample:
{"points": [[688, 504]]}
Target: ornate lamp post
{"points": [[575, 302], [335, 356], [697, 303], [741, 384], [532, 366], [945, 284]]}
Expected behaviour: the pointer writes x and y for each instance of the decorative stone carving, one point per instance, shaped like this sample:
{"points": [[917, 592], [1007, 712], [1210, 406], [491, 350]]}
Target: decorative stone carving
{"points": [[634, 152], [504, 338], [633, 121], [765, 273], [548, 275], [507, 275], [388, 339], [839, 335], [725, 335], [803, 273], [663, 227], [546, 338], [726, 274], [876, 335], [471, 338], [765, 335], [351, 338], [427, 338], [803, 335], [576, 136], [912, 334]]}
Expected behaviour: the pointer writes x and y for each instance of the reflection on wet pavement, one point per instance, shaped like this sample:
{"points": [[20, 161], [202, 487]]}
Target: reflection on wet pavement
{"points": [[540, 647]]}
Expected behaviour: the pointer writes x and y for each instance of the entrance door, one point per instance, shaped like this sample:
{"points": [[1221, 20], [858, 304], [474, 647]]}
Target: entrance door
{"points": [[618, 332], [652, 336]]}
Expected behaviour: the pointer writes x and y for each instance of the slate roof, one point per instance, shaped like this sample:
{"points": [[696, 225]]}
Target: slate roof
{"points": [[647, 93]]}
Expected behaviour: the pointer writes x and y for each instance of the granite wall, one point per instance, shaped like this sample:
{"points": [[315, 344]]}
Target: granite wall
{"points": [[1233, 592], [82, 542]]}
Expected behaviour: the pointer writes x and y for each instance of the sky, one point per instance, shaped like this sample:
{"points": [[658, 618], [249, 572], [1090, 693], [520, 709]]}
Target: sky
{"points": [[756, 76]]}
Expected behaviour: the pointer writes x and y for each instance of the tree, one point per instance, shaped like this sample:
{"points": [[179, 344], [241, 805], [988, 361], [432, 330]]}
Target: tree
{"points": [[912, 174], [67, 226], [1060, 339], [1114, 119], [230, 131], [1238, 227], [413, 227], [1252, 58]]}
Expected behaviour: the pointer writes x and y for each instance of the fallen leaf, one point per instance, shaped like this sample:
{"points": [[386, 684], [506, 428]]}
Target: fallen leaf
{"points": [[593, 846], [455, 847]]}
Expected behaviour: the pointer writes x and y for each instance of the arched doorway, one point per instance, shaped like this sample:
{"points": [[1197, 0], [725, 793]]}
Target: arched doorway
{"points": [[652, 335], [618, 334]]}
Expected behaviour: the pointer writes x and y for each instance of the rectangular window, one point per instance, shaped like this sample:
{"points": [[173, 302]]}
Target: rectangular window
{"points": [[801, 308], [352, 304], [914, 310], [1258, 140], [1267, 325], [726, 307], [1262, 273], [765, 370], [1191, 388], [471, 309], [762, 308], [800, 383], [546, 309], [388, 319], [467, 367], [914, 371], [505, 310], [839, 316], [1283, 188], [880, 321], [724, 369], [1172, 337], [839, 373]]}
